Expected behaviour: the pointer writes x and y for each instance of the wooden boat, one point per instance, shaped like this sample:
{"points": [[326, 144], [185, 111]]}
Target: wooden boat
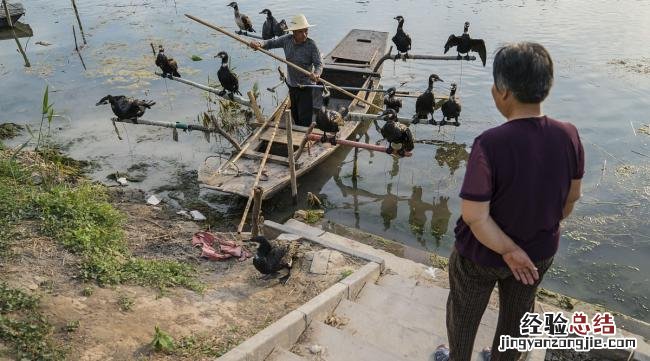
{"points": [[351, 63], [16, 10]]}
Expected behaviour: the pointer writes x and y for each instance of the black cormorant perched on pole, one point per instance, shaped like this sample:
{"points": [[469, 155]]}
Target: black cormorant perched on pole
{"points": [[401, 39], [168, 66], [329, 120], [273, 257], [398, 135], [126, 108], [451, 108], [243, 22], [271, 28], [464, 44], [425, 104], [227, 78], [391, 101]]}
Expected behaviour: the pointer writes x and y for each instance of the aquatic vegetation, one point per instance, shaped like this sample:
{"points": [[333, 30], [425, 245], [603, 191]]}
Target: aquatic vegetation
{"points": [[9, 130]]}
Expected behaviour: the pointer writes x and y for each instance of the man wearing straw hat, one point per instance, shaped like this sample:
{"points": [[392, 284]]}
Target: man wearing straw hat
{"points": [[302, 51]]}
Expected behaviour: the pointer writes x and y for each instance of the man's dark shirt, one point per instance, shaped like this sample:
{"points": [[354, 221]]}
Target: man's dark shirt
{"points": [[524, 168]]}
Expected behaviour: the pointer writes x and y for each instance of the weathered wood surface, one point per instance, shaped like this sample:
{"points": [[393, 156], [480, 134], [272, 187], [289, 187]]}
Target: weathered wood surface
{"points": [[15, 11]]}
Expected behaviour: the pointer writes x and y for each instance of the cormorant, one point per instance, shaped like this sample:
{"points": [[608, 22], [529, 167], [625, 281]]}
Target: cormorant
{"points": [[244, 23], [391, 101], [464, 44], [401, 39], [425, 104], [271, 28], [329, 120], [227, 78], [282, 25], [271, 258], [451, 108], [398, 135], [126, 108], [168, 66]]}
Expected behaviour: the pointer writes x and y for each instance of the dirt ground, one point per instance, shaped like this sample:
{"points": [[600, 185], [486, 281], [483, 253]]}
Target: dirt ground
{"points": [[117, 323]]}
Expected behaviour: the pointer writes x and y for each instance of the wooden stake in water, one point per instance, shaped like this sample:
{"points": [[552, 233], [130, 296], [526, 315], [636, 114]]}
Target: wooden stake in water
{"points": [[81, 29], [76, 47], [292, 164], [11, 25]]}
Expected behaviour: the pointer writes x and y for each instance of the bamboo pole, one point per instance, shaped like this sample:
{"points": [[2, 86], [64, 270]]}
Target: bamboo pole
{"points": [[225, 32], [262, 164], [256, 109], [351, 143], [292, 163], [235, 98], [13, 31], [252, 138], [176, 125], [257, 209], [218, 129], [81, 29], [304, 141], [389, 56]]}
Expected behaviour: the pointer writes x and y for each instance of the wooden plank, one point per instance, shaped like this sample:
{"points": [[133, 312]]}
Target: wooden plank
{"points": [[281, 136], [251, 154], [359, 47]]}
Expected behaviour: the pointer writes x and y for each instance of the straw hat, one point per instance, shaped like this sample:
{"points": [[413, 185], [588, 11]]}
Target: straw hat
{"points": [[298, 22]]}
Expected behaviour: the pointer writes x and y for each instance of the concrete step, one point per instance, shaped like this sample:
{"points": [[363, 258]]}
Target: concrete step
{"points": [[338, 345], [388, 332], [396, 281], [280, 354], [431, 319], [428, 296]]}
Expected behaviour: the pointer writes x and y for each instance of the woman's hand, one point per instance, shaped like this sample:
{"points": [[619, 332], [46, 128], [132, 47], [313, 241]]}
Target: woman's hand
{"points": [[521, 266]]}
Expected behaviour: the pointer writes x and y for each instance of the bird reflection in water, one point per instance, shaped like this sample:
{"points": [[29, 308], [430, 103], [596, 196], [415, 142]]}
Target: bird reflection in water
{"points": [[388, 209], [440, 215]]}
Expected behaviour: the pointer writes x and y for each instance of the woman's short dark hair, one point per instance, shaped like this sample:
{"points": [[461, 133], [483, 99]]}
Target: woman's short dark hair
{"points": [[526, 69]]}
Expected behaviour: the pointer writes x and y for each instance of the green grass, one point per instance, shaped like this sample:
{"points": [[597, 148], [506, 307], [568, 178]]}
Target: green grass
{"points": [[23, 329], [80, 218]]}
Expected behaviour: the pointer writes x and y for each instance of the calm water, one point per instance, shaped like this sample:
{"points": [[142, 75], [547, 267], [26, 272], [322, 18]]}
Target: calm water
{"points": [[606, 243]]}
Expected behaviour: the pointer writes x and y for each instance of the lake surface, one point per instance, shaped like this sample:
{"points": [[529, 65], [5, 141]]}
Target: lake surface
{"points": [[602, 78]]}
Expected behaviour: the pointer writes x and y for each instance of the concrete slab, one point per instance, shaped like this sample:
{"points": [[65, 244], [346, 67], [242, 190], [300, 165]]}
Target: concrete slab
{"points": [[282, 333], [280, 354], [320, 262], [322, 305], [432, 319], [396, 281], [388, 332], [315, 235], [340, 346], [358, 280]]}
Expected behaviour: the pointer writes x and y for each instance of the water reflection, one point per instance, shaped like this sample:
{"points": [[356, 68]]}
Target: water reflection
{"points": [[451, 154], [389, 205]]}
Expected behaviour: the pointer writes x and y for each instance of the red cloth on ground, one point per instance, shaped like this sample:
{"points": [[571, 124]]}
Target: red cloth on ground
{"points": [[225, 248]]}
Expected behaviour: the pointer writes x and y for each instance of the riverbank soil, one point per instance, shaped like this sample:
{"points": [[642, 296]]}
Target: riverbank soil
{"points": [[81, 301]]}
